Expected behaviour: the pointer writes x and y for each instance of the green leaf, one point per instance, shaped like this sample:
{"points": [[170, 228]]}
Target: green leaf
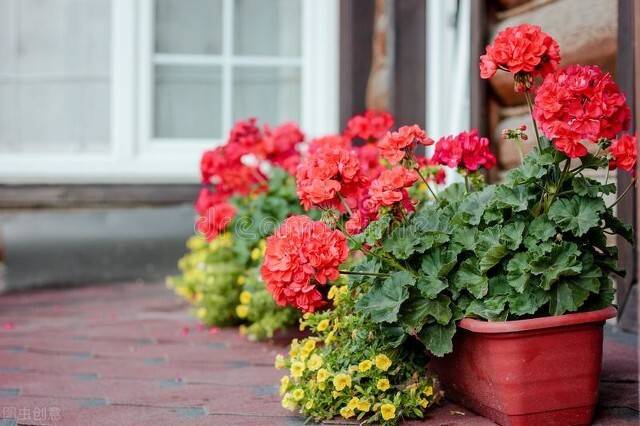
{"points": [[453, 193], [562, 261], [414, 313], [566, 297], [402, 243], [540, 229], [438, 338], [393, 335], [590, 161], [376, 229], [383, 300], [489, 248], [370, 265], [576, 215], [529, 302], [590, 187], [430, 286], [516, 198], [439, 309], [518, 271], [470, 278], [439, 261], [619, 227], [492, 308], [472, 208], [465, 236], [511, 235]]}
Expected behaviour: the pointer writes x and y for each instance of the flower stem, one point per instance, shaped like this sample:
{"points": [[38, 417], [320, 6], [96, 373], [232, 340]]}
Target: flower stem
{"points": [[417, 169], [466, 183], [535, 126], [344, 203], [633, 181]]}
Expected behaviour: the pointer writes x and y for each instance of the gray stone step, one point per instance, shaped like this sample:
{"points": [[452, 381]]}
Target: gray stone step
{"points": [[47, 248]]}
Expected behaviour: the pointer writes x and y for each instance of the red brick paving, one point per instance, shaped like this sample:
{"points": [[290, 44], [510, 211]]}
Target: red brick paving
{"points": [[130, 355]]}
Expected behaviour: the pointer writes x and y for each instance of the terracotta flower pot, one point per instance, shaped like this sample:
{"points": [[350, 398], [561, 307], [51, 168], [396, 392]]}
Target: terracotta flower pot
{"points": [[542, 371]]}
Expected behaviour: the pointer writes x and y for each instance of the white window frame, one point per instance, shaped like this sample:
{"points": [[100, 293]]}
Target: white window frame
{"points": [[133, 156]]}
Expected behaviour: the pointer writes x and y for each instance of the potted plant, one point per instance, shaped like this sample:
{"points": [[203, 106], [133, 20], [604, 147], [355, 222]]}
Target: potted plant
{"points": [[521, 269]]}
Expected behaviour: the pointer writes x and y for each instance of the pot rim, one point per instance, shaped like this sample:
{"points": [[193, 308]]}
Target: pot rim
{"points": [[479, 326]]}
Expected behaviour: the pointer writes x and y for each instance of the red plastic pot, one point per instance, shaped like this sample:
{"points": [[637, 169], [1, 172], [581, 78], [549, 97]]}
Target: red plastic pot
{"points": [[542, 371]]}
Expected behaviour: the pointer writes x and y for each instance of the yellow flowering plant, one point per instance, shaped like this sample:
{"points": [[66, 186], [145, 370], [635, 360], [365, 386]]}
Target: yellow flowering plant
{"points": [[346, 369]]}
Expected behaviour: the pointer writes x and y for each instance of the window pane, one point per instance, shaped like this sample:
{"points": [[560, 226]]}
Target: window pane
{"points": [[271, 94], [267, 27], [54, 75], [189, 26], [188, 102]]}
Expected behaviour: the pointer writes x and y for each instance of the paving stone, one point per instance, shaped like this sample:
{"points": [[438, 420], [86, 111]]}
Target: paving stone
{"points": [[120, 355]]}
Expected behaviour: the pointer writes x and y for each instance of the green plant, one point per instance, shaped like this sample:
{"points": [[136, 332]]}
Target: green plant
{"points": [[345, 368]]}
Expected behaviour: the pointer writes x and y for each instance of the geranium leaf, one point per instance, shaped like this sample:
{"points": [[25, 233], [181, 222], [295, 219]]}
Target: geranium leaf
{"points": [[376, 229], [619, 227], [518, 271], [566, 297], [489, 248], [469, 277], [453, 193], [516, 198], [540, 229], [438, 338], [472, 208], [491, 308], [576, 215], [439, 309], [430, 286], [590, 187], [561, 261], [511, 235], [439, 261], [401, 243], [590, 161], [529, 302], [383, 300], [414, 313]]}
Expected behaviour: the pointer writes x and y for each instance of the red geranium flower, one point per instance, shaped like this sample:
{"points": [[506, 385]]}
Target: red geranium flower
{"points": [[301, 255], [245, 134], [580, 103], [390, 187], [331, 141], [467, 150], [279, 146], [371, 125], [395, 145], [521, 49], [215, 220], [328, 174], [624, 151], [207, 198]]}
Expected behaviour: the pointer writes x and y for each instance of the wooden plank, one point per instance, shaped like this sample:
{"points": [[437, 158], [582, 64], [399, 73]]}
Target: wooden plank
{"points": [[627, 207], [65, 196], [409, 88], [356, 34], [478, 87]]}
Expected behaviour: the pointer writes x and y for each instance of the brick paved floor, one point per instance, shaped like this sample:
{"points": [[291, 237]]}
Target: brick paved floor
{"points": [[130, 355]]}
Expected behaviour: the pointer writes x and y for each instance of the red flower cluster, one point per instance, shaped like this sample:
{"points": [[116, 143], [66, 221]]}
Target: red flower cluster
{"points": [[580, 103], [395, 145], [624, 152], [279, 146], [327, 174], [467, 150], [300, 255], [215, 219], [370, 126], [391, 186], [521, 49]]}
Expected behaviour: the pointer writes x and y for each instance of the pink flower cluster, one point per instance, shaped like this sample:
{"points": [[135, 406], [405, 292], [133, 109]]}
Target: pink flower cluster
{"points": [[521, 49], [395, 146], [300, 256], [370, 126], [466, 150], [580, 103], [624, 153]]}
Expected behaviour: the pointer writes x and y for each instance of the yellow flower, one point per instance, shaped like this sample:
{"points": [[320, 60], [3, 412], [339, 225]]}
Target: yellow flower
{"points": [[365, 365], [330, 338], [279, 364], [423, 403], [241, 280], [309, 345], [383, 362], [314, 362], [346, 412], [335, 394], [298, 394], [388, 411], [245, 297], [422, 187], [341, 381], [309, 405], [428, 391], [255, 254], [242, 311], [184, 292], [288, 402], [284, 384], [383, 384], [353, 368], [201, 313], [364, 405], [323, 325], [322, 386], [297, 368], [332, 292], [306, 315], [353, 403], [322, 375]]}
